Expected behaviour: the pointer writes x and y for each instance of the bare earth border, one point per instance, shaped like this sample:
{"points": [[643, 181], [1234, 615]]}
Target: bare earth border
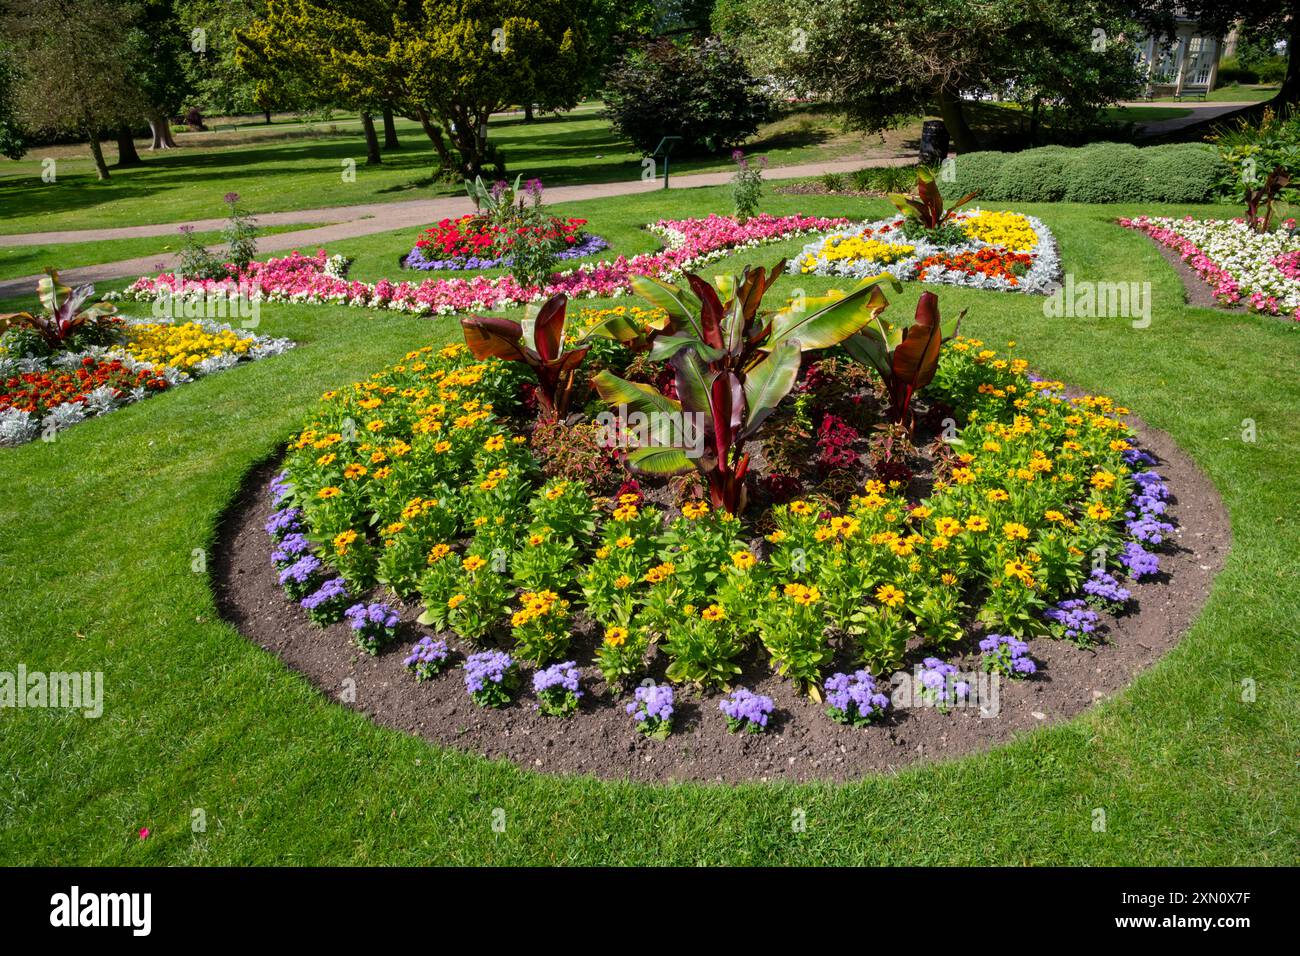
{"points": [[803, 744]]}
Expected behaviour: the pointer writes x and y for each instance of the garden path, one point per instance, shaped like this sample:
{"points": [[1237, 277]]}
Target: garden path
{"points": [[348, 222]]}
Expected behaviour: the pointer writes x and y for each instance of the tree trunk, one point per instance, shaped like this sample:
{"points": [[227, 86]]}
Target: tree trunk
{"points": [[950, 108], [127, 155], [267, 113], [1290, 91], [372, 141], [101, 167], [434, 132], [390, 130], [528, 112], [161, 127], [1033, 121]]}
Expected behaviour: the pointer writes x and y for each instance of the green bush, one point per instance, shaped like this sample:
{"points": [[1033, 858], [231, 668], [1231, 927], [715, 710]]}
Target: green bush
{"points": [[1183, 173], [1100, 173], [1106, 172], [1231, 71], [700, 91], [974, 171], [1036, 175]]}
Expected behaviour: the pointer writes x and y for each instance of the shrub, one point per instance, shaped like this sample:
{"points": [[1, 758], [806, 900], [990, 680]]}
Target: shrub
{"points": [[975, 171], [1183, 173], [1108, 172], [701, 92], [1036, 175]]}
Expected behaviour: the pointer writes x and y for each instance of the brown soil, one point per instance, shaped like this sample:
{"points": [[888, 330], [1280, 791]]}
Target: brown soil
{"points": [[802, 744]]}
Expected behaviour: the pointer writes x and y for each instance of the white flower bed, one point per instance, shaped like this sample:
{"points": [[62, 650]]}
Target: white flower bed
{"points": [[1040, 278], [1260, 268], [18, 426]]}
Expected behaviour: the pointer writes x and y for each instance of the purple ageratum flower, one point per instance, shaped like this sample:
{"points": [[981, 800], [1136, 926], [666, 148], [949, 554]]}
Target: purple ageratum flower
{"points": [[746, 710], [230, 198], [283, 522], [853, 698], [1136, 456], [587, 246], [1104, 588], [1073, 620], [490, 676], [292, 547], [427, 658], [373, 625], [1004, 654], [653, 710], [938, 683], [1147, 528], [1139, 561], [557, 688], [281, 487], [297, 578], [325, 605]]}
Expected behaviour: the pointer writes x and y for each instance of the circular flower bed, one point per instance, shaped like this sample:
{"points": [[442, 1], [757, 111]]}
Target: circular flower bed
{"points": [[997, 542], [987, 250], [474, 242]]}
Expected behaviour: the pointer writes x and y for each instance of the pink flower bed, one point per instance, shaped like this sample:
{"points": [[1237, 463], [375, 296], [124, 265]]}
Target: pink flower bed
{"points": [[1260, 270], [300, 278]]}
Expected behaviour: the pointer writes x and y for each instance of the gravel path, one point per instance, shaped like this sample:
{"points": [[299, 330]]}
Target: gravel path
{"points": [[348, 222]]}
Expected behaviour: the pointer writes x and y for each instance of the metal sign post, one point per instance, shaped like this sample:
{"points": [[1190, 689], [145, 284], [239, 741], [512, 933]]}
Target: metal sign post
{"points": [[663, 149]]}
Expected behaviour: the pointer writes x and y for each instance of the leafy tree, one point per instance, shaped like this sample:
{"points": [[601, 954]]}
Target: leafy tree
{"points": [[72, 77], [220, 85], [884, 61], [447, 65], [700, 91], [13, 143], [156, 47]]}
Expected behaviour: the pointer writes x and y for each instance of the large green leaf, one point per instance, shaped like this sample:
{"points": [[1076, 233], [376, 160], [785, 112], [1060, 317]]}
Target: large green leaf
{"points": [[682, 306], [666, 346], [828, 320], [635, 396], [768, 382], [693, 381], [659, 461]]}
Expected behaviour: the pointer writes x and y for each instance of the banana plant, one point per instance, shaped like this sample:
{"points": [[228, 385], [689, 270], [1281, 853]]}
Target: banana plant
{"points": [[722, 407], [906, 358], [538, 342], [725, 325], [64, 316], [926, 207]]}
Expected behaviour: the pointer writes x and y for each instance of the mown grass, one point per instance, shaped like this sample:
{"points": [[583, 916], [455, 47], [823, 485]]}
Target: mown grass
{"points": [[301, 166], [98, 536]]}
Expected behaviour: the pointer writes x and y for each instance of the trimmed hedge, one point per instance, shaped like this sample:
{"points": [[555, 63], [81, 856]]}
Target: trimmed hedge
{"points": [[1099, 173]]}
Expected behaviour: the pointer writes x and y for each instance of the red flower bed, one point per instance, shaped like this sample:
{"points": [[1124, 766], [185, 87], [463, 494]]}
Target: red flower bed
{"points": [[475, 236], [40, 391], [990, 261]]}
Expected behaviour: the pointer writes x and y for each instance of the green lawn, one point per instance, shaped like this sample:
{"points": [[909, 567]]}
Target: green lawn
{"points": [[18, 261], [1233, 93], [291, 166], [98, 531]]}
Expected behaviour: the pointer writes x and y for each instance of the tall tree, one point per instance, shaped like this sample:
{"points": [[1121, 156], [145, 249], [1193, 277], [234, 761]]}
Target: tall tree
{"points": [[157, 45], [13, 139], [447, 65], [72, 79], [884, 61]]}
